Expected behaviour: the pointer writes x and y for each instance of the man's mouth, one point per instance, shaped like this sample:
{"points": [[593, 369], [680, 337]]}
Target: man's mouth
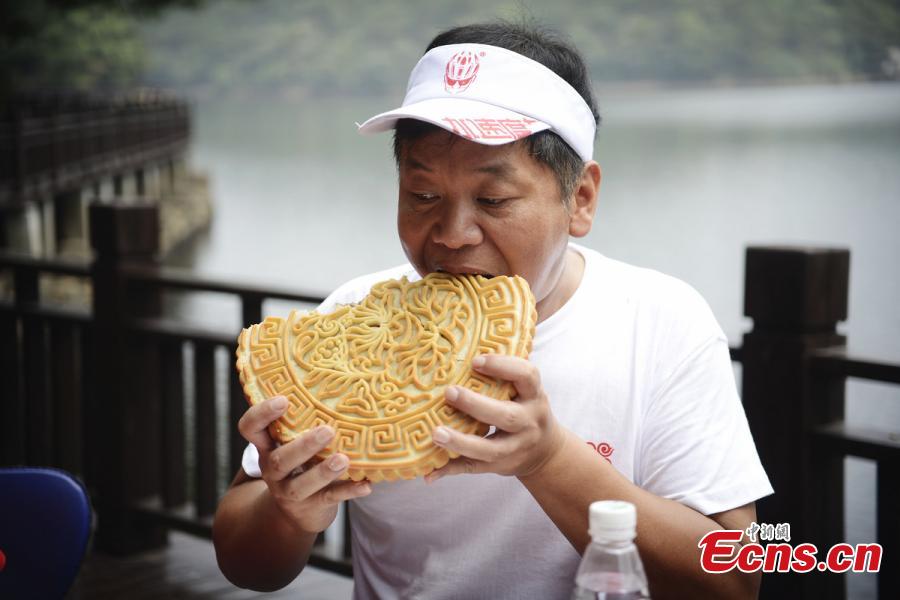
{"points": [[464, 271]]}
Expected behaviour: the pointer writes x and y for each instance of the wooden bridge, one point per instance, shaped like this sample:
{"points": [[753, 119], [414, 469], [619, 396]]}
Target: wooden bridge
{"points": [[55, 143], [60, 152], [125, 396]]}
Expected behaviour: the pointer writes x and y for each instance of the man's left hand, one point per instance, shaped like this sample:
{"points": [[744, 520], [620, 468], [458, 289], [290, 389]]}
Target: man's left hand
{"points": [[527, 433]]}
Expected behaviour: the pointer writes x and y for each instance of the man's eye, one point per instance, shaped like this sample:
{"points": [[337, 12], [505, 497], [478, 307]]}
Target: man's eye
{"points": [[425, 197], [492, 201]]}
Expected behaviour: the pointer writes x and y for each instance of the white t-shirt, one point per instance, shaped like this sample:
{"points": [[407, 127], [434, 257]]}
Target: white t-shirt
{"points": [[637, 366]]}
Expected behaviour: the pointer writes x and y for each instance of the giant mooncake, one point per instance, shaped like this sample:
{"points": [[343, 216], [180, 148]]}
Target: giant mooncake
{"points": [[376, 371]]}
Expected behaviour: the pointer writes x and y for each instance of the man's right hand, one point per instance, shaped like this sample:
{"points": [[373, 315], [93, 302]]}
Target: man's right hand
{"points": [[307, 493]]}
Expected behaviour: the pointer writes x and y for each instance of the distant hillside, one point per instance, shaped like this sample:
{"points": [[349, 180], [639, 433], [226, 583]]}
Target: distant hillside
{"points": [[329, 47], [323, 47]]}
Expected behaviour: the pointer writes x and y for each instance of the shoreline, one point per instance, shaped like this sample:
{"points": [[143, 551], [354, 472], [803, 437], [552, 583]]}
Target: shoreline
{"points": [[616, 87]]}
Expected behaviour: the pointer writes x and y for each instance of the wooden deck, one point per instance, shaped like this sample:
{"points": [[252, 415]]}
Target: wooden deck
{"points": [[187, 569]]}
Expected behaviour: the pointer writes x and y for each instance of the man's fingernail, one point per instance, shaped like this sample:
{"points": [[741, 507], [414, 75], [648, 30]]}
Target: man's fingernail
{"points": [[451, 393], [441, 435], [324, 434], [337, 462], [478, 361], [278, 404]]}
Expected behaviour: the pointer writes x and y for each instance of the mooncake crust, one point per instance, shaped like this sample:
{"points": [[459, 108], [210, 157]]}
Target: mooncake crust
{"points": [[376, 371]]}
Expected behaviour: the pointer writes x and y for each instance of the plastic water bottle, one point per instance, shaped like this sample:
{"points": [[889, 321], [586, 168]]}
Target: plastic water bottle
{"points": [[611, 568]]}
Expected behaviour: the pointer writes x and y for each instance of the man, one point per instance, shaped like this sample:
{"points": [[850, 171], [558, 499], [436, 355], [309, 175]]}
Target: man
{"points": [[628, 393]]}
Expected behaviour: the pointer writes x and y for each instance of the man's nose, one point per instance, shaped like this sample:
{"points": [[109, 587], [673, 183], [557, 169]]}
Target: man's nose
{"points": [[456, 227]]}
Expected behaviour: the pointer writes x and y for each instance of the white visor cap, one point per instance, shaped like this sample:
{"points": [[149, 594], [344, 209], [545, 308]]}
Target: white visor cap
{"points": [[491, 95]]}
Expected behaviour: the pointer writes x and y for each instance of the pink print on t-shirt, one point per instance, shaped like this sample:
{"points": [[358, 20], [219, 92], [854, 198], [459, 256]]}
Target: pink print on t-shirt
{"points": [[603, 449]]}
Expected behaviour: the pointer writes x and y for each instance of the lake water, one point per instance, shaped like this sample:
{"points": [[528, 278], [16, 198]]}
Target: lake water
{"points": [[690, 178]]}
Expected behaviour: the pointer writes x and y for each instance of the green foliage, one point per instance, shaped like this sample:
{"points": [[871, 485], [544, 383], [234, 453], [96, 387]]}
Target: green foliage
{"points": [[331, 47], [701, 40], [73, 45], [323, 47], [871, 26], [82, 49]]}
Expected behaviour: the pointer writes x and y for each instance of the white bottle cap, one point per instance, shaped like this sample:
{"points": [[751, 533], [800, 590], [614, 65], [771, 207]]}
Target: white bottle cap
{"points": [[613, 521]]}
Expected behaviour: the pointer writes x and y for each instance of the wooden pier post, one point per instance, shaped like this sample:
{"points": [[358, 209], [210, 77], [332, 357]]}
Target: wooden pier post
{"points": [[126, 439], [796, 296]]}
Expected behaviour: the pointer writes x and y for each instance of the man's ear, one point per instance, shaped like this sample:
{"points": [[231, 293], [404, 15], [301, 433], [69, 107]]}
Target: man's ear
{"points": [[583, 203]]}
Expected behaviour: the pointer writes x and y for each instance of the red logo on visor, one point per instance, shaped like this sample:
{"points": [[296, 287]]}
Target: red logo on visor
{"points": [[460, 71]]}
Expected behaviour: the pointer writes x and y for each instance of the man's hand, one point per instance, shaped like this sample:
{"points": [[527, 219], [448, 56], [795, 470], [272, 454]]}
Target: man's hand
{"points": [[308, 497], [527, 434]]}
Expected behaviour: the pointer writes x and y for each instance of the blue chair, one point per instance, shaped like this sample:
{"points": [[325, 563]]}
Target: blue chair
{"points": [[45, 527]]}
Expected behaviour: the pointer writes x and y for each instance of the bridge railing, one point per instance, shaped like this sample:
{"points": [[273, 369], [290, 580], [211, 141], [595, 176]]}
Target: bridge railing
{"points": [[57, 143], [794, 370]]}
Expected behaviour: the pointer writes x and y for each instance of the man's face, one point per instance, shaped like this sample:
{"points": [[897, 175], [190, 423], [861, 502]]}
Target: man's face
{"points": [[471, 208]]}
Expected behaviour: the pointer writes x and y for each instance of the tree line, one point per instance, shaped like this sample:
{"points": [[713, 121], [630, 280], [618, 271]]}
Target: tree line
{"points": [[355, 47]]}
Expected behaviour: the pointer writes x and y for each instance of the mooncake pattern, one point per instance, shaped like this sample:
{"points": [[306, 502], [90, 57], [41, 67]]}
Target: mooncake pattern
{"points": [[376, 371]]}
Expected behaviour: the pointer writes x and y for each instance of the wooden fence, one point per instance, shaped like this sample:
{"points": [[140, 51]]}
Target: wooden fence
{"points": [[795, 367], [101, 393]]}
